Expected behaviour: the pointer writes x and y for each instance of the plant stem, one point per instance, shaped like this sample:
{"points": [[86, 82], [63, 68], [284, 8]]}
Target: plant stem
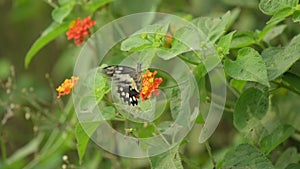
{"points": [[233, 91], [281, 84], [187, 60], [53, 5], [190, 163], [3, 149], [208, 148]]}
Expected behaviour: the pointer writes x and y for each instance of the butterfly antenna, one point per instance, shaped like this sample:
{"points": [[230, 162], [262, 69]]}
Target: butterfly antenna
{"points": [[139, 67]]}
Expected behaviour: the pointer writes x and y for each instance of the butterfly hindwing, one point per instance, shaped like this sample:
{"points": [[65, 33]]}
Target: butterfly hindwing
{"points": [[128, 82]]}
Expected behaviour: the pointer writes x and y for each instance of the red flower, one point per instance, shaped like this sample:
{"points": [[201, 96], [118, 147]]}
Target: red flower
{"points": [[79, 29], [150, 85], [67, 86]]}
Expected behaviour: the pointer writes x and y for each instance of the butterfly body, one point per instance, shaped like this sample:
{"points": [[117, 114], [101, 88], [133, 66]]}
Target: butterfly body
{"points": [[128, 82]]}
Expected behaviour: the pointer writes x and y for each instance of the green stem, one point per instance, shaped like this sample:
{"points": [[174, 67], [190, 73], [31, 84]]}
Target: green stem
{"points": [[234, 92], [261, 45], [52, 4], [54, 142], [160, 134], [108, 102], [190, 163], [281, 84], [173, 86], [3, 149], [187, 60], [208, 148], [51, 85]]}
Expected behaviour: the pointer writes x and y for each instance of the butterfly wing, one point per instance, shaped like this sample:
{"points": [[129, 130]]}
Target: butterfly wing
{"points": [[126, 79]]}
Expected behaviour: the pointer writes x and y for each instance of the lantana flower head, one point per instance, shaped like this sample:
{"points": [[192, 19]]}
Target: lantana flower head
{"points": [[149, 85], [79, 29], [66, 87]]}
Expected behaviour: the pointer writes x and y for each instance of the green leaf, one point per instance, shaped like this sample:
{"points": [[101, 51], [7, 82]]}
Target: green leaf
{"points": [[52, 32], [273, 33], [242, 39], [279, 60], [26, 150], [295, 69], [180, 44], [225, 43], [169, 159], [279, 135], [93, 5], [292, 80], [293, 166], [234, 15], [135, 43], [175, 102], [296, 16], [83, 133], [248, 66], [242, 3], [213, 28], [238, 84], [246, 156], [144, 38], [64, 2], [59, 14], [108, 113], [253, 103], [200, 71], [289, 156], [4, 68], [287, 106], [270, 7], [95, 161], [200, 119], [280, 15], [97, 83]]}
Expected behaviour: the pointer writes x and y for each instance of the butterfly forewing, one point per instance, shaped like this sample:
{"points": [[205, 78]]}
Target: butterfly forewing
{"points": [[128, 82]]}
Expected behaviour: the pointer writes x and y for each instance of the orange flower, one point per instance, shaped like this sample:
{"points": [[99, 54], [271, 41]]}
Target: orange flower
{"points": [[150, 85], [67, 86], [79, 29], [168, 39]]}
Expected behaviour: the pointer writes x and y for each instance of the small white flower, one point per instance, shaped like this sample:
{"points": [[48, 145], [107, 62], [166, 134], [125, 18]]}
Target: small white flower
{"points": [[27, 115], [65, 158]]}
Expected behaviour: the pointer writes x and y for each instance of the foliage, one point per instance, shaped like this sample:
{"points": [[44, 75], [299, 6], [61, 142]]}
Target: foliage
{"points": [[257, 44]]}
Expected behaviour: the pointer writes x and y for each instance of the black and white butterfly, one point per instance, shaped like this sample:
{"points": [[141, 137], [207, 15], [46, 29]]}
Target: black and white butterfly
{"points": [[128, 82]]}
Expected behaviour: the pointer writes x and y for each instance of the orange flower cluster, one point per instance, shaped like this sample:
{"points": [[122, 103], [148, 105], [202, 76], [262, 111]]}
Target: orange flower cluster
{"points": [[150, 85], [79, 29], [67, 86]]}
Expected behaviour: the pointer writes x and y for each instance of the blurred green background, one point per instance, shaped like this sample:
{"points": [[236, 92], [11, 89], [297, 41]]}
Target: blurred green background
{"points": [[29, 111]]}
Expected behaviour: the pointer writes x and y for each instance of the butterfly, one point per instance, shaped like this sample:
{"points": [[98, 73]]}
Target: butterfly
{"points": [[128, 81]]}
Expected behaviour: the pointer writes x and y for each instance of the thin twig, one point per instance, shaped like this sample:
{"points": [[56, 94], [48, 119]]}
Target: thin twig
{"points": [[208, 148]]}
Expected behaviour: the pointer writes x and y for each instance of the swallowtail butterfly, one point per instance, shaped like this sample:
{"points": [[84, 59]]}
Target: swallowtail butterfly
{"points": [[128, 81]]}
